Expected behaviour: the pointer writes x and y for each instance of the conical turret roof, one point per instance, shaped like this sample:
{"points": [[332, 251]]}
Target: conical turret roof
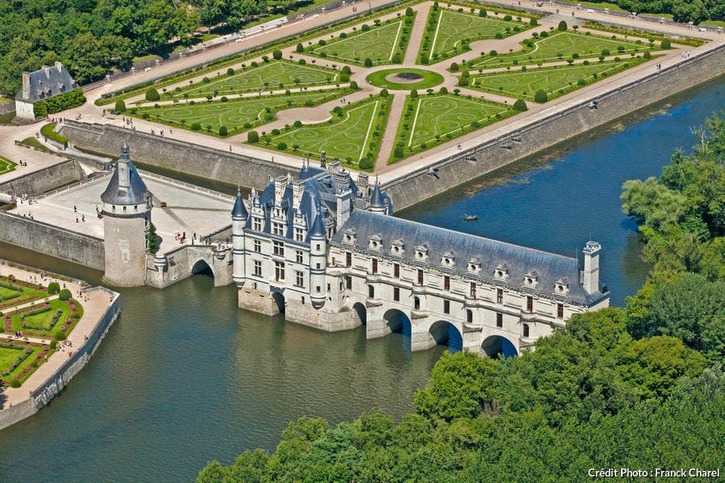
{"points": [[126, 186], [377, 200], [239, 210]]}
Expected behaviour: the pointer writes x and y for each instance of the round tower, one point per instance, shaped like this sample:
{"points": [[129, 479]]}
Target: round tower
{"points": [[318, 260], [239, 220], [127, 207]]}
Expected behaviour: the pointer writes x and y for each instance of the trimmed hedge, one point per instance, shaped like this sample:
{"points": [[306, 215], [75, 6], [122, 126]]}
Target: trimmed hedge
{"points": [[67, 100]]}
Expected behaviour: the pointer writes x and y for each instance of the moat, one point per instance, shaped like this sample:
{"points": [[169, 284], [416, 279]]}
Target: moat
{"points": [[185, 377]]}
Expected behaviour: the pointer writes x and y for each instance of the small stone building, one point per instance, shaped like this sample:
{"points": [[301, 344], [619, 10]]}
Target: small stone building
{"points": [[40, 85]]}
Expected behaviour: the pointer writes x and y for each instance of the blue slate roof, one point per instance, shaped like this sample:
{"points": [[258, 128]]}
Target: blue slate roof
{"points": [[47, 82], [136, 192], [239, 210], [462, 248]]}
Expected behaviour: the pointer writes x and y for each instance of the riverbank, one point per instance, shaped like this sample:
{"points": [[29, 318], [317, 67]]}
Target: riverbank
{"points": [[101, 307]]}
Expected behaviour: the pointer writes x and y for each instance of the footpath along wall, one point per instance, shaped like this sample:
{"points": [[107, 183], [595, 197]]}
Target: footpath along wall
{"points": [[50, 240], [174, 154], [546, 130]]}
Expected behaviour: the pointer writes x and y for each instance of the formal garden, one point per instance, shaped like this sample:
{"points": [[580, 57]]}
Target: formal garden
{"points": [[6, 165], [34, 318], [348, 71], [450, 30], [352, 135]]}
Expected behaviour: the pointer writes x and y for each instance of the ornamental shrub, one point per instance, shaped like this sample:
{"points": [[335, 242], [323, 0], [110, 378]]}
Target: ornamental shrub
{"points": [[152, 95], [384, 93], [562, 26], [365, 27], [413, 94], [223, 131], [533, 22], [482, 13], [53, 288], [60, 335], [366, 163], [282, 146], [196, 126], [53, 344], [15, 383], [300, 48], [297, 124], [398, 152], [252, 137], [507, 18], [454, 67], [277, 54], [64, 295], [120, 106], [520, 106], [665, 44], [443, 90], [230, 71], [353, 85], [544, 34], [541, 96], [368, 62]]}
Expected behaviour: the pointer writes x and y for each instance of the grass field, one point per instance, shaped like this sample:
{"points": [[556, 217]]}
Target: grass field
{"points": [[379, 44], [353, 133], [6, 165], [560, 46], [236, 115], [43, 322], [555, 81], [434, 119], [277, 74], [453, 28]]}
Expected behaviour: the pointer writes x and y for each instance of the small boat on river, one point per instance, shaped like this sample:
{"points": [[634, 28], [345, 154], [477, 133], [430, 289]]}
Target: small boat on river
{"points": [[470, 217]]}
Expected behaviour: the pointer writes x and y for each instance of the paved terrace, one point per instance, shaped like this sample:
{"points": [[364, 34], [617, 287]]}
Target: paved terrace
{"points": [[187, 209]]}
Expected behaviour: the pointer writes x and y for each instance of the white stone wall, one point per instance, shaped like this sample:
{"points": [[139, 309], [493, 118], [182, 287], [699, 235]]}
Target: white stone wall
{"points": [[24, 110]]}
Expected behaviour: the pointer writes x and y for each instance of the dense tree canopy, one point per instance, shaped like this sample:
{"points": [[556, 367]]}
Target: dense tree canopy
{"points": [[637, 388], [93, 36], [682, 10]]}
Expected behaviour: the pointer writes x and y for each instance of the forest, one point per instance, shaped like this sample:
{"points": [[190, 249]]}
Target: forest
{"points": [[91, 37], [640, 387]]}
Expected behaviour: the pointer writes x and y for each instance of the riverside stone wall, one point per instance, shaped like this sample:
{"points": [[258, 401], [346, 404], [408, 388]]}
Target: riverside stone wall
{"points": [[46, 179], [175, 155], [53, 241]]}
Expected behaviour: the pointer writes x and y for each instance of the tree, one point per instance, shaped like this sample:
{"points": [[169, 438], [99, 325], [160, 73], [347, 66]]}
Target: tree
{"points": [[520, 105], [300, 48], [277, 54], [152, 95], [53, 288], [252, 137], [64, 295], [120, 106], [562, 26], [541, 96], [223, 131]]}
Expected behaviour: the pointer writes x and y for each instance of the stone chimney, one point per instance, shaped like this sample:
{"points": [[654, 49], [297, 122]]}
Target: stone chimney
{"points": [[590, 274], [58, 66], [46, 70], [280, 183], [26, 85], [298, 189]]}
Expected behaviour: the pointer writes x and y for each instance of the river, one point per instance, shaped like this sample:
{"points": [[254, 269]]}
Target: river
{"points": [[185, 377]]}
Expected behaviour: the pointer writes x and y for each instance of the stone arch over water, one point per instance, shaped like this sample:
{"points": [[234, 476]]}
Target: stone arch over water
{"points": [[361, 313], [498, 346], [202, 267], [446, 333], [278, 299]]}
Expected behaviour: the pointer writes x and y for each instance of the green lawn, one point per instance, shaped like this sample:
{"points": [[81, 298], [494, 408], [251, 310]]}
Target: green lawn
{"points": [[555, 81], [42, 323], [12, 352], [277, 74], [434, 119], [560, 46], [8, 357], [428, 79], [455, 29], [6, 165], [236, 115], [25, 294], [379, 44], [352, 134]]}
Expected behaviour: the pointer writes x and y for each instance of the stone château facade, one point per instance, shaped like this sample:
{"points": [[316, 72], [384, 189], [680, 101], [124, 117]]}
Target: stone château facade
{"points": [[325, 251]]}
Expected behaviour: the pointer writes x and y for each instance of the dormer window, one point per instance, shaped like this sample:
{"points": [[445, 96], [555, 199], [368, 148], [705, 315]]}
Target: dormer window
{"points": [[501, 272], [448, 260], [349, 237], [421, 253], [397, 248], [474, 266], [531, 279], [376, 242], [561, 286]]}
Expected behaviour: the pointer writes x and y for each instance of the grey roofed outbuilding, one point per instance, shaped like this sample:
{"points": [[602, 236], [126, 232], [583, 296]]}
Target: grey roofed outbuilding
{"points": [[46, 82], [134, 194], [519, 262]]}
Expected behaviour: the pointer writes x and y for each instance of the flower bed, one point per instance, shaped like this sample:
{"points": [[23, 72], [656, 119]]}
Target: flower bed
{"points": [[32, 356]]}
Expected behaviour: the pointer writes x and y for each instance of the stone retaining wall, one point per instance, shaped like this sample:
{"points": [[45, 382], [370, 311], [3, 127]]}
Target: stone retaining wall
{"points": [[175, 155], [55, 383], [38, 182], [7, 108], [545, 131], [53, 241]]}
